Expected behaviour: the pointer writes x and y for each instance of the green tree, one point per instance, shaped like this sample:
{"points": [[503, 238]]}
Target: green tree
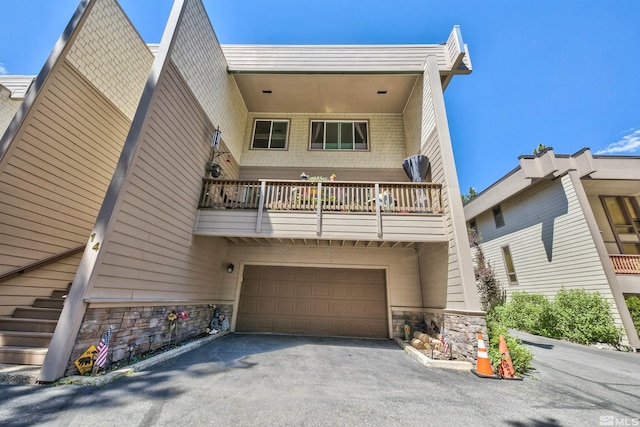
{"points": [[540, 149], [470, 195]]}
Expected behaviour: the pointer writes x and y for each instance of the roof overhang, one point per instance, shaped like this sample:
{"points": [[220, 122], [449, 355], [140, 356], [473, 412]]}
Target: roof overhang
{"points": [[338, 78]]}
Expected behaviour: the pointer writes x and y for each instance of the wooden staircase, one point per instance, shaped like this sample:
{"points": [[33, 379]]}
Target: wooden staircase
{"points": [[25, 336]]}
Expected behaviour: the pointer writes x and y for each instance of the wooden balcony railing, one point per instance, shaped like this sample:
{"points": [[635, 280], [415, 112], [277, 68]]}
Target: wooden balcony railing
{"points": [[625, 264], [414, 197]]}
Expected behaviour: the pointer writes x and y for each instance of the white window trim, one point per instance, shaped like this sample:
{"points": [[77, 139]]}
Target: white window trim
{"points": [[324, 139], [286, 141]]}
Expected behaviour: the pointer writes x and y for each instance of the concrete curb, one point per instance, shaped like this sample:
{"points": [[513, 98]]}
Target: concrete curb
{"points": [[456, 365]]}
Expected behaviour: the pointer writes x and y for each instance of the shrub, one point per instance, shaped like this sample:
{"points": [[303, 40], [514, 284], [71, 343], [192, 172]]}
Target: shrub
{"points": [[520, 354], [574, 315], [530, 313], [633, 303], [584, 317]]}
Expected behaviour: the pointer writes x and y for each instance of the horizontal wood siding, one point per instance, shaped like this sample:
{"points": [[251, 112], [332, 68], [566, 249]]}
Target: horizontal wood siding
{"points": [[549, 241], [401, 265], [431, 147], [57, 170], [407, 227], [343, 174], [335, 226], [433, 260], [22, 290], [150, 252]]}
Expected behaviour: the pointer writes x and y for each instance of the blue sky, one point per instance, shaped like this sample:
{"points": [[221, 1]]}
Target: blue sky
{"points": [[564, 73]]}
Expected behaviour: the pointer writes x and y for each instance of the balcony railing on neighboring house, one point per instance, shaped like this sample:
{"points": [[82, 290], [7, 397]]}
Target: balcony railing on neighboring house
{"points": [[326, 196], [625, 264]]}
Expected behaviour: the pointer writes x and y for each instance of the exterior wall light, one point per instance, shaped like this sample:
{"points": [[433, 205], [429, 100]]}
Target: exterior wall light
{"points": [[230, 268]]}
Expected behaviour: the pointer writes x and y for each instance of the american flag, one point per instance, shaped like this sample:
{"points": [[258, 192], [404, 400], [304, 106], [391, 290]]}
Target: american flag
{"points": [[103, 347], [444, 340]]}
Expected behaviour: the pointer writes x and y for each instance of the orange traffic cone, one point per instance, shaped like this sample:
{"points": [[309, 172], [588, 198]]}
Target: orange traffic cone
{"points": [[505, 370], [483, 366]]}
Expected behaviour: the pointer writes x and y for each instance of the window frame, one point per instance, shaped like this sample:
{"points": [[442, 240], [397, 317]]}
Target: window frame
{"points": [[271, 121], [498, 216], [631, 223], [339, 132], [509, 265]]}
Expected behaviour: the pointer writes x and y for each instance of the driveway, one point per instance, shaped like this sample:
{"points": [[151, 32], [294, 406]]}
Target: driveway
{"points": [[266, 380]]}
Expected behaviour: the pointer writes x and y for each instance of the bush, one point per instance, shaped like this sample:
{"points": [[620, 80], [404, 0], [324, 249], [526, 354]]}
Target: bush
{"points": [[520, 354], [575, 315], [633, 303], [584, 317], [530, 313]]}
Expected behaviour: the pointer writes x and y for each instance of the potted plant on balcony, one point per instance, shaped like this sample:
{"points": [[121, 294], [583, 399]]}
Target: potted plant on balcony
{"points": [[214, 169]]}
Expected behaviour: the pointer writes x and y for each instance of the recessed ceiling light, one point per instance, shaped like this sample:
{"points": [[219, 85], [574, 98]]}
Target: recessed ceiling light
{"points": [[266, 91], [382, 92]]}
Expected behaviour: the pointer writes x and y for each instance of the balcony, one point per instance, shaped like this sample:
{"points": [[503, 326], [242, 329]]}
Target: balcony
{"points": [[626, 264], [343, 211]]}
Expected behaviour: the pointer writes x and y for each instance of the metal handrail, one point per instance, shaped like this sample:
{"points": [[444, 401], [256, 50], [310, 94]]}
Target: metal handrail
{"points": [[40, 263]]}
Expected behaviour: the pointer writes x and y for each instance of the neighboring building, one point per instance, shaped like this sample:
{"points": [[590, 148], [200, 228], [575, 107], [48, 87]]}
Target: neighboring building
{"points": [[565, 221], [103, 183], [12, 91]]}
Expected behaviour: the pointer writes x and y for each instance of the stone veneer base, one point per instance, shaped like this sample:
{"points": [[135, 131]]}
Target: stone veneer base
{"points": [[145, 327], [461, 328], [456, 365]]}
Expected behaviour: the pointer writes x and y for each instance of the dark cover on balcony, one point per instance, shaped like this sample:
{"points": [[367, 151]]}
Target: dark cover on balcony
{"points": [[416, 167]]}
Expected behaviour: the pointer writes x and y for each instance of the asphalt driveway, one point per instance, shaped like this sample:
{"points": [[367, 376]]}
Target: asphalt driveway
{"points": [[246, 380]]}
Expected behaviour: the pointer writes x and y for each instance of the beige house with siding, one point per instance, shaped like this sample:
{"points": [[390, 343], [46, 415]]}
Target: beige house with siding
{"points": [[107, 199], [565, 221]]}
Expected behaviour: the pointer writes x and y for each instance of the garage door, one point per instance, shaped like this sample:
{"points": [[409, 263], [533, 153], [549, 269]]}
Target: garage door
{"points": [[313, 301]]}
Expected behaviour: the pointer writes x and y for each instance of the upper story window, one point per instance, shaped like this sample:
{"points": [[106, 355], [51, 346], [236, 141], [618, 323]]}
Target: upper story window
{"points": [[270, 134], [497, 217], [624, 219], [509, 266], [339, 135]]}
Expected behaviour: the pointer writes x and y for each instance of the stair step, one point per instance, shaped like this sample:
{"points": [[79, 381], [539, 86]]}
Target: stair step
{"points": [[49, 302], [37, 313], [22, 355], [25, 339], [60, 293], [27, 325]]}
